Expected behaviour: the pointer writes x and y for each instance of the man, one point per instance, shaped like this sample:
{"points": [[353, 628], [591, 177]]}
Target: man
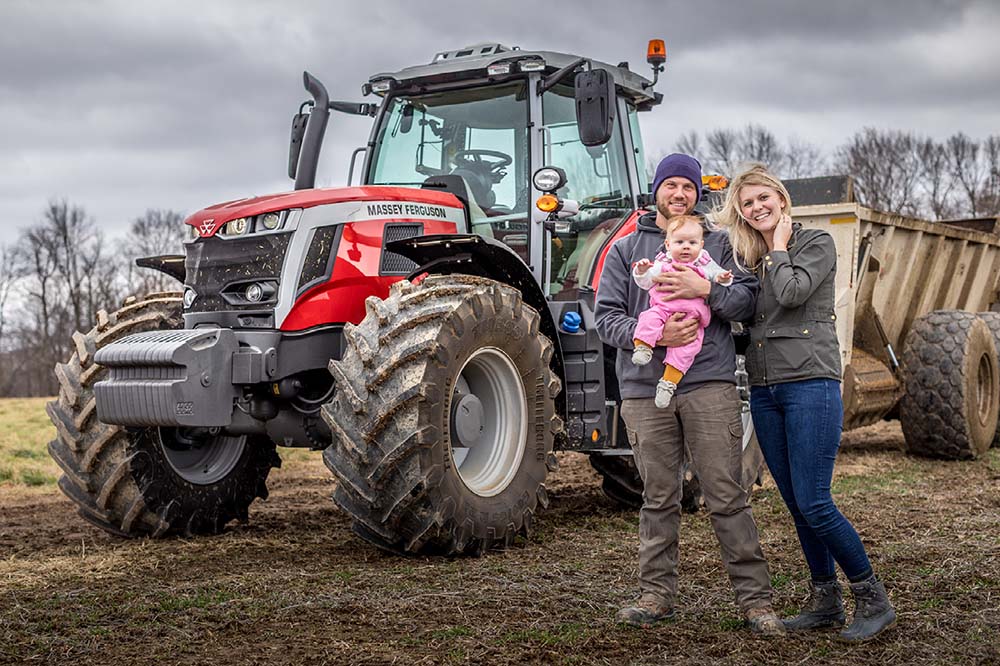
{"points": [[705, 410]]}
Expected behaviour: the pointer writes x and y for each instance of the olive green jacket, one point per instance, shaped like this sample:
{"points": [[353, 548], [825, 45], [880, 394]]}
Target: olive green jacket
{"points": [[794, 335]]}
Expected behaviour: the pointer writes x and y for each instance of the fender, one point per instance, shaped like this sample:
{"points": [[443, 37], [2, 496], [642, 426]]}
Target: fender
{"points": [[444, 254], [168, 264]]}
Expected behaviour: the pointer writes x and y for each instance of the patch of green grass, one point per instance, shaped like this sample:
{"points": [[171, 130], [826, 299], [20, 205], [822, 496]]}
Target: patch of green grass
{"points": [[451, 632], [199, 599], [730, 623], [25, 430], [563, 634], [898, 482], [780, 580], [36, 477]]}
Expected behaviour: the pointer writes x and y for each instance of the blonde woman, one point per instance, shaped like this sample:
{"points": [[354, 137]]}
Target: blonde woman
{"points": [[794, 367]]}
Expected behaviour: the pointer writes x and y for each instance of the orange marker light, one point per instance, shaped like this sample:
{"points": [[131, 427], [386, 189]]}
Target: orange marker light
{"points": [[715, 183], [656, 52], [596, 435], [547, 203]]}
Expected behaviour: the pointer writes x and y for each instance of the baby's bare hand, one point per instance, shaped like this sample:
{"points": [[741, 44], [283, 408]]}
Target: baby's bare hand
{"points": [[642, 266], [724, 277]]}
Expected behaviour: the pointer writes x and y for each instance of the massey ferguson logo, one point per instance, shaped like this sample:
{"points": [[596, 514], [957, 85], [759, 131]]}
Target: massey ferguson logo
{"points": [[206, 227]]}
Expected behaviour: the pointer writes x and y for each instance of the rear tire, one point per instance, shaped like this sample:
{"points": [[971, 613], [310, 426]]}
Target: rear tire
{"points": [[443, 420], [952, 386], [992, 320], [139, 481]]}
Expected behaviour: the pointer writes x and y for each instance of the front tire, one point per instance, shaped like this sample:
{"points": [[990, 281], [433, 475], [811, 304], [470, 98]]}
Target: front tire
{"points": [[136, 482], [443, 420]]}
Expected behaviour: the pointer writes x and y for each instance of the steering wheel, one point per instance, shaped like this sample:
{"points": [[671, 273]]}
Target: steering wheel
{"points": [[473, 159]]}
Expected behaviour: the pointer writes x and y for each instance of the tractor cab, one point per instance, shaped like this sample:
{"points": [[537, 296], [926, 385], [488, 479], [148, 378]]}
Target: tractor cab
{"points": [[479, 121]]}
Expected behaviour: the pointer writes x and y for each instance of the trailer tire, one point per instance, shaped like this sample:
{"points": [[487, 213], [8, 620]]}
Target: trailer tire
{"points": [[122, 480], [454, 360], [992, 320], [951, 386]]}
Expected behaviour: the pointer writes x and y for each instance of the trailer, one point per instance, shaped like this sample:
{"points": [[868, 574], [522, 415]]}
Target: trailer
{"points": [[916, 316]]}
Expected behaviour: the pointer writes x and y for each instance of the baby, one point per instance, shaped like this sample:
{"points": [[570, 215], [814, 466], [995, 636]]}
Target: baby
{"points": [[684, 245]]}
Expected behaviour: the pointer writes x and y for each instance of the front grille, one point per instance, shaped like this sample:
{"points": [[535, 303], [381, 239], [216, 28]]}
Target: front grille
{"points": [[213, 263], [393, 263]]}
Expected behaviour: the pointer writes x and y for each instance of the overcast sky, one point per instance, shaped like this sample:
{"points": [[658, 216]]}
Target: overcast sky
{"points": [[122, 106]]}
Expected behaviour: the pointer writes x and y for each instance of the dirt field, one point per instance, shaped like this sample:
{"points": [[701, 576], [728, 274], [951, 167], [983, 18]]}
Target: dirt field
{"points": [[294, 586]]}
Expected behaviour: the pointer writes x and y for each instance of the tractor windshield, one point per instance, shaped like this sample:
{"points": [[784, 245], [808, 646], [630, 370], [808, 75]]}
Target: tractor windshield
{"points": [[596, 177], [479, 134]]}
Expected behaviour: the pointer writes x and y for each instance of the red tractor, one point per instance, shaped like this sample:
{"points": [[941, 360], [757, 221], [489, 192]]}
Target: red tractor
{"points": [[431, 330]]}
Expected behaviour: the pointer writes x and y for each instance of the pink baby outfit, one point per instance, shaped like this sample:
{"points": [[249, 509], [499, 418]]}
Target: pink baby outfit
{"points": [[651, 320]]}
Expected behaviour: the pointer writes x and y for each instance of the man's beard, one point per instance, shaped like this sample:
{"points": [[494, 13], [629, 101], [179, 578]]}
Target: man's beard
{"points": [[662, 209]]}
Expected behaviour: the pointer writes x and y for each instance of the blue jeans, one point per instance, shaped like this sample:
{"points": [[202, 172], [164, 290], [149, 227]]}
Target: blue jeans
{"points": [[798, 426]]}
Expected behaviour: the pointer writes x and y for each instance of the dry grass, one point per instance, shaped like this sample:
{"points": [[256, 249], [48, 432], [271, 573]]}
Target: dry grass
{"points": [[295, 586]]}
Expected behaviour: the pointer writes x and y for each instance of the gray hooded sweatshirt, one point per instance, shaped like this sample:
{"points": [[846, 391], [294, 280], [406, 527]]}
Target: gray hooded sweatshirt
{"points": [[620, 300]]}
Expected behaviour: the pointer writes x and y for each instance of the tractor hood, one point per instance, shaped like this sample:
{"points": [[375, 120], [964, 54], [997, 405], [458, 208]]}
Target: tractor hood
{"points": [[210, 220]]}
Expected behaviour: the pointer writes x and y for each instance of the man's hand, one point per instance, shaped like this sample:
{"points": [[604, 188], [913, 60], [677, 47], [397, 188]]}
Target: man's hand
{"points": [[642, 266], [782, 234], [678, 331], [682, 283]]}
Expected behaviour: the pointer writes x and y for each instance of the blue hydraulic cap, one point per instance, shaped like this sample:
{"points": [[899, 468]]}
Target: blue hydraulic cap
{"points": [[571, 322]]}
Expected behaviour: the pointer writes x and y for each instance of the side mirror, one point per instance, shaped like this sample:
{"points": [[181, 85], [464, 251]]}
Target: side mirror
{"points": [[299, 122], [595, 106], [406, 121]]}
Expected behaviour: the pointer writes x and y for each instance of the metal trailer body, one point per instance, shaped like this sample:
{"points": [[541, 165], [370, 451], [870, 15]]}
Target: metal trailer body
{"points": [[892, 271]]}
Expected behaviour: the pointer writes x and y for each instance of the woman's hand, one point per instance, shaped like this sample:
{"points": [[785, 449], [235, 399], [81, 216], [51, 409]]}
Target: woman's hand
{"points": [[678, 331], [782, 234], [683, 282]]}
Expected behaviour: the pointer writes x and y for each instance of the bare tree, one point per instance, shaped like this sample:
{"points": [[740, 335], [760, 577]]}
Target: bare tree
{"points": [[756, 143], [936, 179], [723, 151], [8, 279], [990, 199], [803, 159], [967, 169], [155, 233], [690, 144], [885, 167]]}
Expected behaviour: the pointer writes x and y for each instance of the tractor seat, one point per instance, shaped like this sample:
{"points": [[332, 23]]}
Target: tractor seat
{"points": [[479, 223]]}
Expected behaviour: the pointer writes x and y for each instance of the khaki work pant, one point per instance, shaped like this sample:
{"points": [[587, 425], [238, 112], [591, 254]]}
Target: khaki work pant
{"points": [[708, 418]]}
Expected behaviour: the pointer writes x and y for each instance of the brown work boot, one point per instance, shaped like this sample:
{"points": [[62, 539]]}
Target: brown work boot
{"points": [[763, 621], [646, 612]]}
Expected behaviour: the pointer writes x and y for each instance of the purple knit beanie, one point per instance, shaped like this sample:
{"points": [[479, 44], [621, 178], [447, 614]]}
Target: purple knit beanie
{"points": [[678, 164]]}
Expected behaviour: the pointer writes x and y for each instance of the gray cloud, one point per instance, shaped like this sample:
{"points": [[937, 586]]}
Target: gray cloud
{"points": [[122, 106]]}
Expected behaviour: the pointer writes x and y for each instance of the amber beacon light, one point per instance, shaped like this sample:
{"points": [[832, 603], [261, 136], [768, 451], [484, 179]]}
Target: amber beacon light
{"points": [[656, 52]]}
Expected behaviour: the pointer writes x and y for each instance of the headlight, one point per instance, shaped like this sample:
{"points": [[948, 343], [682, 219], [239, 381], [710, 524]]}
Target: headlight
{"points": [[270, 221], [549, 179], [236, 227], [189, 296], [254, 293]]}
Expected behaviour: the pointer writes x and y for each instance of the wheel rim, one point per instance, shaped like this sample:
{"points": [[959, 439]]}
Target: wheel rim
{"points": [[984, 388], [488, 401], [205, 464]]}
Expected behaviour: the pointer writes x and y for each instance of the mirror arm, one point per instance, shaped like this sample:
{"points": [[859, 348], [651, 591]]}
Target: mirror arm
{"points": [[552, 79], [354, 108]]}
